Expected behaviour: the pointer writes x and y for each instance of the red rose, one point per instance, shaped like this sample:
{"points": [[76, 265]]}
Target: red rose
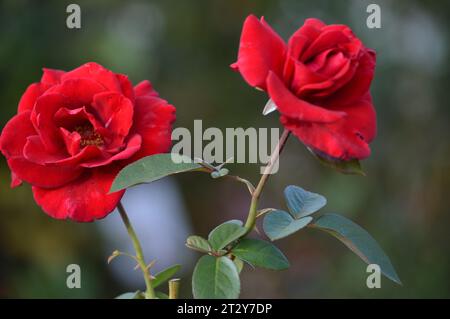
{"points": [[75, 130], [319, 83]]}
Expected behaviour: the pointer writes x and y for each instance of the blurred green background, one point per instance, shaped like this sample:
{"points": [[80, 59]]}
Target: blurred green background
{"points": [[185, 48]]}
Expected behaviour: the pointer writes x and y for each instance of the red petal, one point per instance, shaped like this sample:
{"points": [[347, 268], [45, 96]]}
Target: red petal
{"points": [[144, 88], [15, 133], [359, 85], [313, 23], [12, 143], [326, 40], [290, 105], [153, 118], [296, 45], [126, 86], [97, 73], [352, 47], [88, 153], [71, 118], [304, 76], [78, 92], [35, 152], [42, 118], [261, 50], [84, 200], [305, 35], [28, 98], [346, 139], [115, 111], [72, 141], [40, 175], [133, 145], [51, 77], [15, 181]]}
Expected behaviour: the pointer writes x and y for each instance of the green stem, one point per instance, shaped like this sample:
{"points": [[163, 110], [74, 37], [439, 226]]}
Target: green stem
{"points": [[149, 292], [253, 211]]}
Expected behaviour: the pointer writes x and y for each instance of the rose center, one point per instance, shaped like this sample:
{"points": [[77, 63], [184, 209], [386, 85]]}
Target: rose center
{"points": [[89, 136]]}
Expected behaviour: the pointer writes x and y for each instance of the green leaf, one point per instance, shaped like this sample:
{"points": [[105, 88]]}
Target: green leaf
{"points": [[152, 168], [130, 295], [225, 234], [358, 240], [346, 167], [215, 278], [260, 253], [302, 203], [165, 275], [198, 243], [161, 295], [239, 264], [279, 224]]}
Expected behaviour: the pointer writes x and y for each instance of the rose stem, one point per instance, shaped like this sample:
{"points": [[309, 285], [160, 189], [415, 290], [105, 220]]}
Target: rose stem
{"points": [[150, 292], [251, 219]]}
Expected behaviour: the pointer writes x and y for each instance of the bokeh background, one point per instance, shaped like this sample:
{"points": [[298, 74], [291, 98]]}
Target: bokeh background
{"points": [[185, 48]]}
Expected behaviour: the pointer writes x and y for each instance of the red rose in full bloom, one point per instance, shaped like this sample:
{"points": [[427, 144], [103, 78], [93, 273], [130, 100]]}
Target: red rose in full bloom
{"points": [[319, 82], [75, 130]]}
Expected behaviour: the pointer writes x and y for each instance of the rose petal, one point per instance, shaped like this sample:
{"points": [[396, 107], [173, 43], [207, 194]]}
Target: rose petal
{"points": [[78, 92], [354, 45], [312, 27], [35, 152], [338, 80], [95, 72], [126, 86], [290, 105], [51, 76], [153, 118], [71, 118], [304, 36], [296, 46], [72, 141], [133, 145], [326, 40], [15, 133], [304, 76], [13, 140], [260, 50], [144, 88], [115, 111], [345, 139], [42, 119], [40, 175], [30, 96], [359, 84], [14, 137], [15, 181], [84, 200], [332, 84], [309, 31], [88, 153], [68, 120], [328, 63]]}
